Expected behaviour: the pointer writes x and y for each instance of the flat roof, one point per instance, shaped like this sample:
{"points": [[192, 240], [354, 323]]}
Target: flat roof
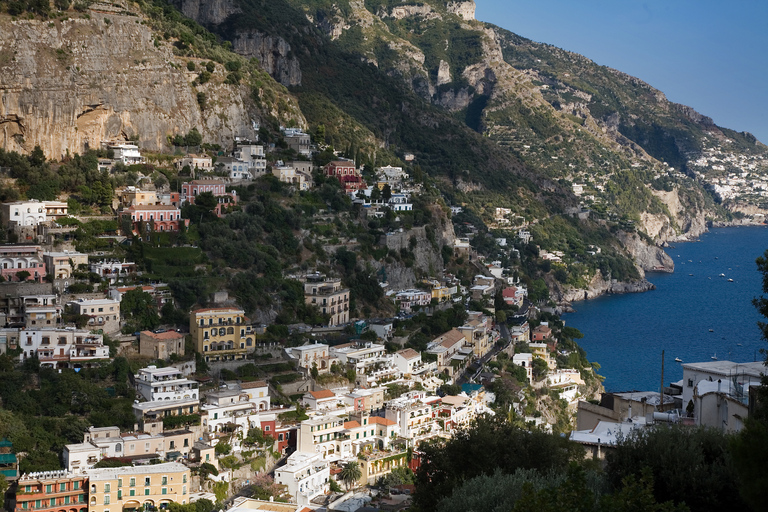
{"points": [[728, 368], [150, 469]]}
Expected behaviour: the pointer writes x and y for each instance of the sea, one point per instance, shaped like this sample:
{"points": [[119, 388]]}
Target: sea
{"points": [[702, 310]]}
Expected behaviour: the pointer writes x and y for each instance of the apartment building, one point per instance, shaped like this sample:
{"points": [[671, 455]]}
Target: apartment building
{"points": [[155, 383], [138, 487], [22, 258], [329, 297], [190, 190], [221, 334], [52, 491], [58, 348], [63, 264], [305, 475], [452, 351], [103, 314]]}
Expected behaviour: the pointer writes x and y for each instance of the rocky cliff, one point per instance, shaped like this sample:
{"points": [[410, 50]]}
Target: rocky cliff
{"points": [[597, 286], [67, 85]]}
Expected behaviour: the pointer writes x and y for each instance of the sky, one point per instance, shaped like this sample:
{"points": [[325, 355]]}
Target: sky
{"points": [[710, 55]]}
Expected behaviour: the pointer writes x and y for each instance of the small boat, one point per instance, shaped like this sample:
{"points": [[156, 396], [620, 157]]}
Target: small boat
{"points": [[690, 274], [738, 344], [678, 360], [721, 275], [714, 357], [730, 280], [711, 330]]}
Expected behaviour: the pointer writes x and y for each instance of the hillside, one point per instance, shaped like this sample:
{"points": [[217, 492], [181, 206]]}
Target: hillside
{"points": [[73, 79]]}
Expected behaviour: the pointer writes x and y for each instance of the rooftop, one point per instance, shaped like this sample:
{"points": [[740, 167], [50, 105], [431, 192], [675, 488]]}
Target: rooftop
{"points": [[121, 472], [168, 335], [323, 393]]}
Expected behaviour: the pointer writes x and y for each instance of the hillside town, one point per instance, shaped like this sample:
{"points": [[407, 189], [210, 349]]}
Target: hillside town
{"points": [[232, 411]]}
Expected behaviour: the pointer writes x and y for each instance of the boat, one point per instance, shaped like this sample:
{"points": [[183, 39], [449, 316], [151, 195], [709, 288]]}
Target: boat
{"points": [[690, 274], [714, 357], [721, 275], [738, 344], [678, 360], [711, 330], [730, 280]]}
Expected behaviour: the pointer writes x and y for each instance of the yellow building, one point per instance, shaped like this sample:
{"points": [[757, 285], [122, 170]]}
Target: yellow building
{"points": [[137, 487], [329, 297], [221, 334]]}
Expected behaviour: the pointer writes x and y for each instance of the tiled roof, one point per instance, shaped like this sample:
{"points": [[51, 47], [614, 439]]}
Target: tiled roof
{"points": [[351, 424], [408, 353], [254, 384], [323, 393], [381, 421]]}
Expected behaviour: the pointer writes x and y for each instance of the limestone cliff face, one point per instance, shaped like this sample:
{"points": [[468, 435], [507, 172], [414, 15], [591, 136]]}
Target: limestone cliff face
{"points": [[647, 257], [597, 286], [68, 85], [272, 52]]}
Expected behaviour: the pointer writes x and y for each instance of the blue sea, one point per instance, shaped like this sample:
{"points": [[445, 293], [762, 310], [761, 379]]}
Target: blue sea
{"points": [[626, 334]]}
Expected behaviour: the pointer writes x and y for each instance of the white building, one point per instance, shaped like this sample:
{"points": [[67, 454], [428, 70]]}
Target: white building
{"points": [[306, 476], [526, 361], [155, 383], [127, 154], [58, 348], [363, 356], [742, 375]]}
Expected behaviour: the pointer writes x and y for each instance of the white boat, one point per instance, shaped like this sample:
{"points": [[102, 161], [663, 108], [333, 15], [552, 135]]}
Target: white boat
{"points": [[714, 357], [678, 360], [730, 280], [722, 275]]}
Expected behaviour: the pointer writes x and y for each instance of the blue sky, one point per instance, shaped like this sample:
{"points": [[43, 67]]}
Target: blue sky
{"points": [[710, 55]]}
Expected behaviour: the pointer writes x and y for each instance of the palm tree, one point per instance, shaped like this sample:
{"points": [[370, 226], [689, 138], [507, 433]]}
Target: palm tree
{"points": [[351, 473]]}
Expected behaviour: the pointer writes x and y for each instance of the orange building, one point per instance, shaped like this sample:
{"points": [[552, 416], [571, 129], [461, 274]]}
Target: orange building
{"points": [[52, 491]]}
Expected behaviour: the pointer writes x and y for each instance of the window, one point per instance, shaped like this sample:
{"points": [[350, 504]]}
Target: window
{"points": [[48, 489], [37, 504], [146, 492], [184, 490], [107, 488], [106, 499], [132, 482], [165, 490], [690, 383], [132, 492], [147, 481], [119, 482], [165, 480]]}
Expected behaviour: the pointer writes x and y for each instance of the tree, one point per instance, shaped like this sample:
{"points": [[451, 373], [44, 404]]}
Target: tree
{"points": [[688, 465], [314, 371], [351, 473], [140, 307], [22, 275], [540, 368], [750, 446]]}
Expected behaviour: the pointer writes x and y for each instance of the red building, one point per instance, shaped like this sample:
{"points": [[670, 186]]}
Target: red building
{"points": [[347, 174], [541, 333], [52, 491], [154, 217], [216, 187]]}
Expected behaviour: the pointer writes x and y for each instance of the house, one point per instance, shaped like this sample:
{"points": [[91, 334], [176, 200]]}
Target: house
{"points": [[312, 355], [253, 156], [258, 393], [103, 314], [112, 270], [477, 330], [407, 361], [290, 175], [195, 163], [365, 400], [347, 174], [362, 356], [323, 399], [329, 297], [525, 360], [62, 264], [58, 348], [305, 476], [221, 334], [451, 351], [51, 491], [154, 383], [237, 170], [734, 380], [218, 188], [161, 345], [298, 141], [383, 330], [151, 218], [543, 351], [126, 154], [31, 213], [16, 259], [541, 333], [138, 487], [410, 299], [461, 248], [132, 196]]}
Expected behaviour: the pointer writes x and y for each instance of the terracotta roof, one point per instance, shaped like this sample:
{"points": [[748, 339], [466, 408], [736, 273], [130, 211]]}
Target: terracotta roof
{"points": [[168, 335], [254, 384], [381, 421], [323, 393], [408, 353], [509, 292], [450, 338], [351, 424]]}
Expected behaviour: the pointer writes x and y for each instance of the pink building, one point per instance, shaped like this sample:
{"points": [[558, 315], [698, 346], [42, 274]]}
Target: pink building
{"points": [[156, 217], [19, 258], [217, 187], [347, 174]]}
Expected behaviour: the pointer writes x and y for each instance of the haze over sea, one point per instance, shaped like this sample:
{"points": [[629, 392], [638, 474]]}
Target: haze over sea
{"points": [[626, 333]]}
